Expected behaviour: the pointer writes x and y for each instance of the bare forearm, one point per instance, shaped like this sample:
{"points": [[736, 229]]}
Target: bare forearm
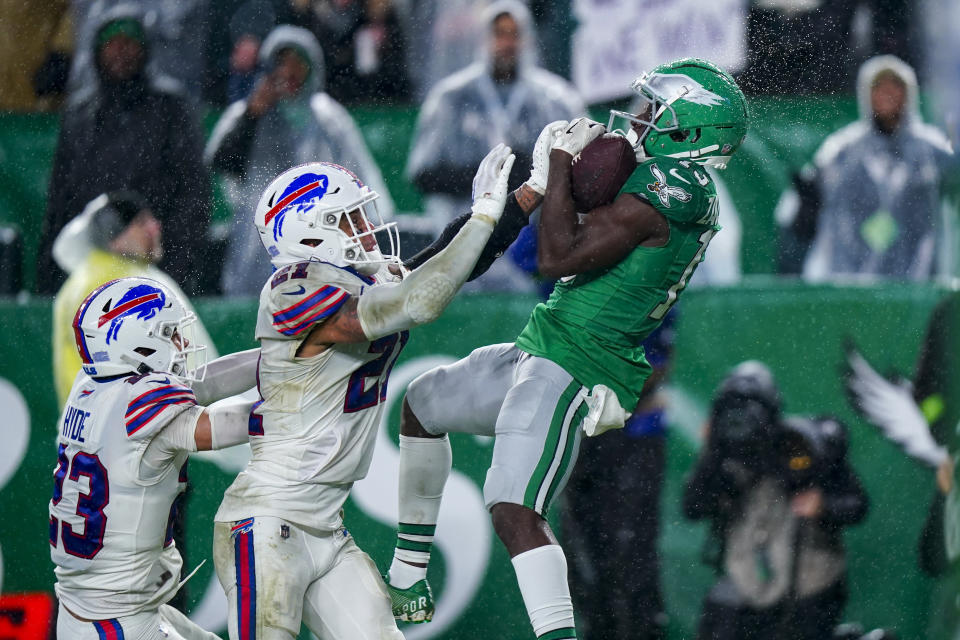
{"points": [[558, 218]]}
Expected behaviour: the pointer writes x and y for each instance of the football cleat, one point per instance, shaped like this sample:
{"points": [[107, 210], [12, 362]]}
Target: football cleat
{"points": [[413, 604]]}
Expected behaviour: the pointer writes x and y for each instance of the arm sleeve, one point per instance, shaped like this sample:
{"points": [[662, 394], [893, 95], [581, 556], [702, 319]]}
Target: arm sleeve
{"points": [[424, 293], [506, 231], [229, 422], [176, 437], [227, 376]]}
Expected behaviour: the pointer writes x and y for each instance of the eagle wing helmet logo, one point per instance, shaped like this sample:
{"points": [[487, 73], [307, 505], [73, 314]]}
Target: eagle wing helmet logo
{"points": [[679, 86]]}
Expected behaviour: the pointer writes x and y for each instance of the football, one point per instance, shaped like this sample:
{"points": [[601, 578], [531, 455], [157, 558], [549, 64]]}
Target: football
{"points": [[600, 170]]}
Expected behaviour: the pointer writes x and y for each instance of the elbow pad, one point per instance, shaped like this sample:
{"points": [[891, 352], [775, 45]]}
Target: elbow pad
{"points": [[425, 292], [227, 376]]}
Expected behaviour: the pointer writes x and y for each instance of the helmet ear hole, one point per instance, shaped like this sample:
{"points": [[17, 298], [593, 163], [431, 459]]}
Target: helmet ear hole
{"points": [[145, 351], [679, 136]]}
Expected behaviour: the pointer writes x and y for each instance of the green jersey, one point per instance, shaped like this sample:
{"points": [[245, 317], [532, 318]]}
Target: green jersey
{"points": [[594, 323]]}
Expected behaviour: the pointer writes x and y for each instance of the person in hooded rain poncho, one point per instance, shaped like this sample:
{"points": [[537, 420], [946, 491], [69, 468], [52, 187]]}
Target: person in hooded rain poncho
{"points": [[130, 129], [875, 208], [116, 236], [502, 97], [178, 36], [287, 120]]}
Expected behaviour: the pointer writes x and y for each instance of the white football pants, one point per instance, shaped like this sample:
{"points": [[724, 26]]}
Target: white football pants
{"points": [[277, 574]]}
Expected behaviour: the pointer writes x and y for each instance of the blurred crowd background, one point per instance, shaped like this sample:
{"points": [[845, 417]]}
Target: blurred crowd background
{"points": [[195, 104]]}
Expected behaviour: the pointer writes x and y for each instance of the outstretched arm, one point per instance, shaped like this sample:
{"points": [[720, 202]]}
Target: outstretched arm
{"points": [[424, 293], [227, 376], [196, 428], [519, 206]]}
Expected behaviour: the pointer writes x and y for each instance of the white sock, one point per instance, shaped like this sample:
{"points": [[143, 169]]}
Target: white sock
{"points": [[542, 576], [424, 467]]}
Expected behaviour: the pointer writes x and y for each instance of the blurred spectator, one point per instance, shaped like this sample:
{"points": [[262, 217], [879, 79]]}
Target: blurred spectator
{"points": [[443, 37], [813, 46], [249, 26], [611, 523], [364, 45], [502, 97], [941, 61], [287, 120], [778, 491], [128, 130], [36, 41], [176, 31], [234, 26], [870, 203], [116, 236]]}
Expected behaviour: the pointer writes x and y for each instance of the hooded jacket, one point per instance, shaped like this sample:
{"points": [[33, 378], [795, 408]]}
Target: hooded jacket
{"points": [[880, 193], [250, 152], [139, 135], [467, 114]]}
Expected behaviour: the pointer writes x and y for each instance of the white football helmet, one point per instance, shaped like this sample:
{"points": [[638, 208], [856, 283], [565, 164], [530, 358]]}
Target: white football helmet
{"points": [[136, 325], [303, 214]]}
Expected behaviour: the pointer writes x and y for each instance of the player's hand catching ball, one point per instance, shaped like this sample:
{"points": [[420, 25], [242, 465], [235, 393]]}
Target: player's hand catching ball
{"points": [[541, 155], [490, 183], [578, 135]]}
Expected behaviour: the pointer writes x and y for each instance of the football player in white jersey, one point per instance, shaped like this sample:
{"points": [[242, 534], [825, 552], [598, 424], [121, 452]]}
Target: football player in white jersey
{"points": [[133, 415], [333, 318]]}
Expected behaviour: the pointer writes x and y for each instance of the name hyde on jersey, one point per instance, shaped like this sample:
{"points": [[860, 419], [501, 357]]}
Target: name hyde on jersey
{"points": [[74, 422]]}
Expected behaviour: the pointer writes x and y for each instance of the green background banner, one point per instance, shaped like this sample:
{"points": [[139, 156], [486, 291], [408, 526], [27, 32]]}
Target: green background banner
{"points": [[798, 330]]}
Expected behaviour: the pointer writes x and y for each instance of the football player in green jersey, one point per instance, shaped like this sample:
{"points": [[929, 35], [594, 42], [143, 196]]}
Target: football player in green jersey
{"points": [[578, 364]]}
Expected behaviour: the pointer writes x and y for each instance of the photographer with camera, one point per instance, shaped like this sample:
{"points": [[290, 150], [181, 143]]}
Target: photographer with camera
{"points": [[777, 490]]}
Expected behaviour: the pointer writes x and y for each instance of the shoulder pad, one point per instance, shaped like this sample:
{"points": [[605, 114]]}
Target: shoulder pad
{"points": [[150, 398], [303, 294], [681, 190]]}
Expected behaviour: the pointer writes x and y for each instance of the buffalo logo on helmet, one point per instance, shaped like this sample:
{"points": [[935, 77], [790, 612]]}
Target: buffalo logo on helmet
{"points": [[302, 192], [142, 301]]}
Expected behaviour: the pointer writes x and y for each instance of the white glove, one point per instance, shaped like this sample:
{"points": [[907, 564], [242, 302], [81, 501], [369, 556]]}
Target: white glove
{"points": [[490, 183], [603, 411], [578, 135], [541, 155], [892, 408]]}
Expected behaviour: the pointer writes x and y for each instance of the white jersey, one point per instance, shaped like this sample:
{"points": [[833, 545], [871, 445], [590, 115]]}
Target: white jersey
{"points": [[110, 534], [312, 432]]}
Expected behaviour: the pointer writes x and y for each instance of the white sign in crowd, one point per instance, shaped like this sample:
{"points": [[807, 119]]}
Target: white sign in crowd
{"points": [[618, 39]]}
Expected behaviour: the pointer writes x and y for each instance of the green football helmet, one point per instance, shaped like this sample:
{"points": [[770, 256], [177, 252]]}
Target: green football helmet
{"points": [[689, 108]]}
